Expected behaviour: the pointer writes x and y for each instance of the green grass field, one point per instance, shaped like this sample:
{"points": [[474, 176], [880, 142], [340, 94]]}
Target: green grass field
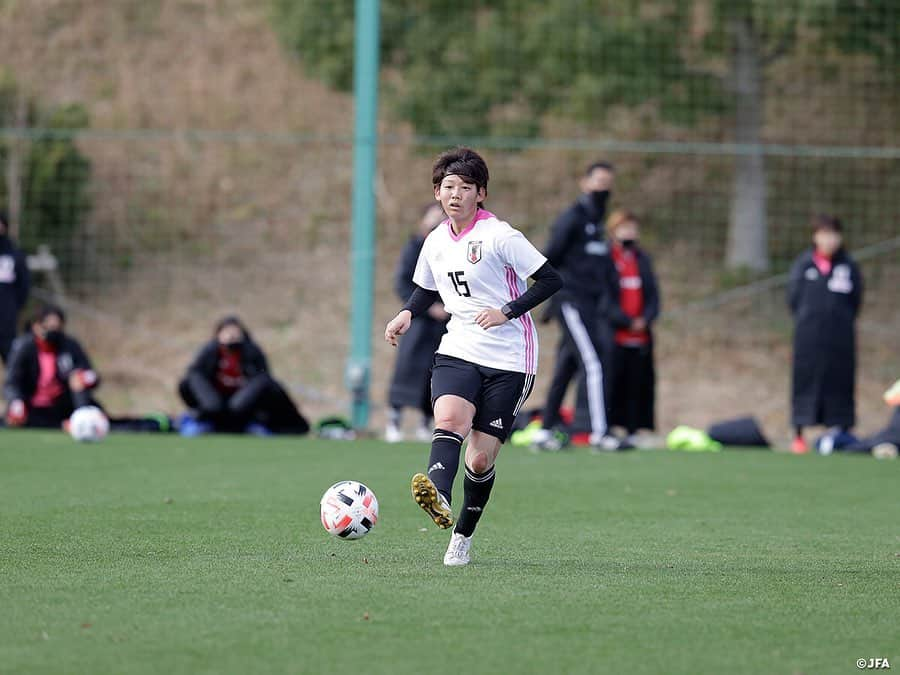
{"points": [[156, 554]]}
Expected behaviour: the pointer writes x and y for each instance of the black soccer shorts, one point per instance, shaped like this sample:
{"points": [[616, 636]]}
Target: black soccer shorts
{"points": [[497, 395]]}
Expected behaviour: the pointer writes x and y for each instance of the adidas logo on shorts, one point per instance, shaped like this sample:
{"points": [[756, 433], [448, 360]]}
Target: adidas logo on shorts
{"points": [[497, 423]]}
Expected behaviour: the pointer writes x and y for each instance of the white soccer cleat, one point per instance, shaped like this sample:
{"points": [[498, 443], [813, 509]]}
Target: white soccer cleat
{"points": [[392, 434], [424, 434], [458, 551]]}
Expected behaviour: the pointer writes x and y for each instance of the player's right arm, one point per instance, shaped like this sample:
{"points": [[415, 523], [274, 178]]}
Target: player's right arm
{"points": [[424, 295], [12, 391], [418, 303]]}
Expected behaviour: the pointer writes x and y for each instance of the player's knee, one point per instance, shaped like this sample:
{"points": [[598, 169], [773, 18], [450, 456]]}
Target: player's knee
{"points": [[479, 462], [452, 421]]}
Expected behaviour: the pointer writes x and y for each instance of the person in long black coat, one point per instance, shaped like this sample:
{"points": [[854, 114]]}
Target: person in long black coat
{"points": [[15, 282], [825, 294], [411, 382], [49, 374], [630, 306], [229, 386]]}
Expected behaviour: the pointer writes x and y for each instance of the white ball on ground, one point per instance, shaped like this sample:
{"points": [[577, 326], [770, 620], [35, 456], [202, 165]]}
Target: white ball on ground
{"points": [[349, 510], [88, 424]]}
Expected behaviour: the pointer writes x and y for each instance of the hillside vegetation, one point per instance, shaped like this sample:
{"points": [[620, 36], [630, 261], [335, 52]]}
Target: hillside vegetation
{"points": [[253, 214]]}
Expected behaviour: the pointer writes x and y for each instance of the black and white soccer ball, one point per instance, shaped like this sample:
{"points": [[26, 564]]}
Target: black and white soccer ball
{"points": [[349, 510]]}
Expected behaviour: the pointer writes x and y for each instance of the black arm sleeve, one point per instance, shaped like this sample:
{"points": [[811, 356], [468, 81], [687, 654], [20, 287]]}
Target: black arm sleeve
{"points": [[420, 300], [546, 282]]}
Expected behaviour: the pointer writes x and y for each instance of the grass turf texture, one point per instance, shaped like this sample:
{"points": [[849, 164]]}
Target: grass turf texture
{"points": [[159, 554]]}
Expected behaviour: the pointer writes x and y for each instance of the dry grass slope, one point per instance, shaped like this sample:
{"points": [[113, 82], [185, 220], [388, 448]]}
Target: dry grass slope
{"points": [[259, 225]]}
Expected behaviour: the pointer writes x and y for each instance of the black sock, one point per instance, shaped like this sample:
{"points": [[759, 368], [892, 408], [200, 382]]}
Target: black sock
{"points": [[443, 463], [477, 491]]}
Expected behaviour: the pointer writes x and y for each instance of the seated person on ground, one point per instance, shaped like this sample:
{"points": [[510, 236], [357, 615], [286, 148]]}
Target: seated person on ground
{"points": [[49, 374], [229, 387]]}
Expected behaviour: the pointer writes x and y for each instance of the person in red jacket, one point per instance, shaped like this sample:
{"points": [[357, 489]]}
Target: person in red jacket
{"points": [[631, 305], [49, 374], [230, 389]]}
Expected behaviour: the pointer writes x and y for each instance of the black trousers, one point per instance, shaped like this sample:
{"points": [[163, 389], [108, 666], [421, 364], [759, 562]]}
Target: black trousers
{"points": [[262, 400], [580, 352], [53, 416], [632, 388]]}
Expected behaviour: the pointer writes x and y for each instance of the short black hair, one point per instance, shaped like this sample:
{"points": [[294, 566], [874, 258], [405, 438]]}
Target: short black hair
{"points": [[823, 221], [231, 320], [49, 309], [599, 165], [462, 162]]}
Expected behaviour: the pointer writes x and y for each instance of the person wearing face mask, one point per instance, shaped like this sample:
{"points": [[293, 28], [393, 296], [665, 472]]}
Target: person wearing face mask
{"points": [[825, 294], [578, 248], [229, 387], [49, 374], [630, 305], [15, 282]]}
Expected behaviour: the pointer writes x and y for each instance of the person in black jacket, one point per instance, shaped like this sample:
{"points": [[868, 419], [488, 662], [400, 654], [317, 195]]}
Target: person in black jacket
{"points": [[577, 248], [411, 383], [49, 374], [630, 305], [825, 293], [229, 386], [15, 282]]}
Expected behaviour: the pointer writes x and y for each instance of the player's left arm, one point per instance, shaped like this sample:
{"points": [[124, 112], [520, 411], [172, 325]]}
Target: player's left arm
{"points": [[424, 294], [83, 375], [527, 262]]}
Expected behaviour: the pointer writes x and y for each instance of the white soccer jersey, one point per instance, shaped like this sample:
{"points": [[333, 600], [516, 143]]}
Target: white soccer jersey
{"points": [[483, 267]]}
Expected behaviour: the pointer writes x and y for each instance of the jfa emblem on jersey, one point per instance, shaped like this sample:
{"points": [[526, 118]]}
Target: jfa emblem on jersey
{"points": [[474, 254]]}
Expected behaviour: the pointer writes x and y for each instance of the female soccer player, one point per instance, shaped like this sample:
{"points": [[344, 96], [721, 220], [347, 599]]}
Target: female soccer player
{"points": [[484, 369]]}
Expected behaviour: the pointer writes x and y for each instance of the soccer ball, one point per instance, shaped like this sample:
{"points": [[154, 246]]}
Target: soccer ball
{"points": [[88, 424], [349, 510]]}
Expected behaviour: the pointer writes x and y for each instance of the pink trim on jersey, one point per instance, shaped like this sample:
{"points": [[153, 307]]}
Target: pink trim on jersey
{"points": [[480, 214], [512, 282]]}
